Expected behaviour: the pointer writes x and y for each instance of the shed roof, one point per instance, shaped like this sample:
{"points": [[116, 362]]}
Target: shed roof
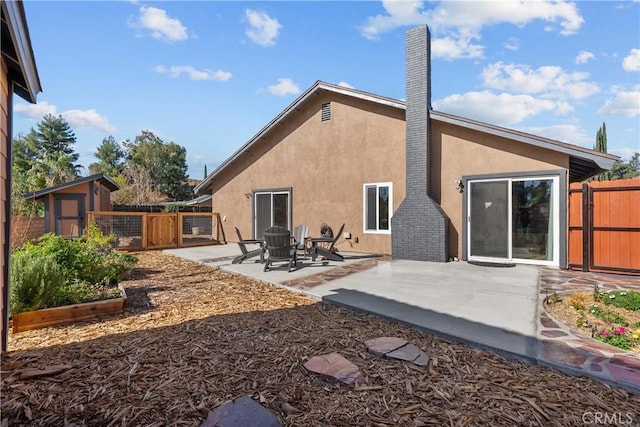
{"points": [[104, 180], [583, 163]]}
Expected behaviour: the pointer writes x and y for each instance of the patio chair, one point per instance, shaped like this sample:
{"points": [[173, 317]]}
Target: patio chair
{"points": [[300, 237], [325, 247], [246, 253], [279, 247]]}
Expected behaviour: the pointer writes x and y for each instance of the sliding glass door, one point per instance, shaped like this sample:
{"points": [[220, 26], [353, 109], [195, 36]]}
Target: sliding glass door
{"points": [[513, 219], [271, 208]]}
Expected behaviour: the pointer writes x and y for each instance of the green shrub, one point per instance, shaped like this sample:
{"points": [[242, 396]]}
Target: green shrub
{"points": [[608, 316], [629, 300], [58, 271], [35, 282]]}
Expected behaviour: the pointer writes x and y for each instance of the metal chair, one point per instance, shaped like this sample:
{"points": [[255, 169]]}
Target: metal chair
{"points": [[246, 253], [325, 247]]}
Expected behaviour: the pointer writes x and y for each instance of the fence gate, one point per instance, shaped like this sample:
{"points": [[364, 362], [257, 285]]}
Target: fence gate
{"points": [[604, 226], [151, 230], [162, 230]]}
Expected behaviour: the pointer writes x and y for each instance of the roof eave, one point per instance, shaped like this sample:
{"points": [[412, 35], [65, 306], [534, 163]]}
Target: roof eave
{"points": [[105, 180], [14, 11], [600, 162]]}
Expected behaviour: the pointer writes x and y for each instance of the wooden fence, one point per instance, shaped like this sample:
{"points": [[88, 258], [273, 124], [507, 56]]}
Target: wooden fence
{"points": [[151, 230], [604, 226], [25, 228]]}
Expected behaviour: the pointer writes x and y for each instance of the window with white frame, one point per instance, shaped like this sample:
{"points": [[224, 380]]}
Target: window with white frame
{"points": [[377, 207]]}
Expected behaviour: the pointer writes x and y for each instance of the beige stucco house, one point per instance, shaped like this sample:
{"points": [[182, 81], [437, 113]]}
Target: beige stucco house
{"points": [[19, 75], [405, 179]]}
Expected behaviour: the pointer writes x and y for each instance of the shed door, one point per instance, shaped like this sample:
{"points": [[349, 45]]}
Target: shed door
{"points": [[69, 214]]}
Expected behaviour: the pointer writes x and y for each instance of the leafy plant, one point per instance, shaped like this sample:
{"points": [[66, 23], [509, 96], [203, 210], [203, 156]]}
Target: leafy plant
{"points": [[608, 316], [616, 336], [579, 301], [57, 271], [629, 300], [36, 282]]}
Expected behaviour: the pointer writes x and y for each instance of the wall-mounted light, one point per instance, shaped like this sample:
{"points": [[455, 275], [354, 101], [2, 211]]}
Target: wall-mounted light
{"points": [[459, 185], [247, 195]]}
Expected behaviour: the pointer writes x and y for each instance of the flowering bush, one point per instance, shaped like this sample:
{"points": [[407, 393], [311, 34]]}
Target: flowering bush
{"points": [[618, 336]]}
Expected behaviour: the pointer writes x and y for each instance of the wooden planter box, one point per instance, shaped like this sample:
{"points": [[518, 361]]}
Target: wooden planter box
{"points": [[68, 313]]}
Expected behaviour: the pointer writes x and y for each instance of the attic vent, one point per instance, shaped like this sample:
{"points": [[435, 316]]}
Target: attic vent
{"points": [[326, 111]]}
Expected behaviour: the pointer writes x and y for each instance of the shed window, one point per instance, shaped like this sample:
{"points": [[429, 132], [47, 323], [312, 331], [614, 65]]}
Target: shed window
{"points": [[326, 112]]}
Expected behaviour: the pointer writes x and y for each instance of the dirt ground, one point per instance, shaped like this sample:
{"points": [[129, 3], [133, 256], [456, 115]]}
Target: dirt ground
{"points": [[194, 337]]}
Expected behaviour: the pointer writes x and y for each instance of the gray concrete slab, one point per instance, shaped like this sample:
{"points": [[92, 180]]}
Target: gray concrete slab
{"points": [[222, 256], [488, 306]]}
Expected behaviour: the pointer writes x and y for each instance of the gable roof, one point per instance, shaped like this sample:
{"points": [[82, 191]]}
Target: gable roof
{"points": [[583, 161], [17, 51], [104, 180]]}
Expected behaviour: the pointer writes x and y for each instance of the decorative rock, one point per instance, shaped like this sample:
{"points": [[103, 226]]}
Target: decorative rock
{"points": [[383, 345], [243, 411], [336, 366], [397, 348], [410, 353]]}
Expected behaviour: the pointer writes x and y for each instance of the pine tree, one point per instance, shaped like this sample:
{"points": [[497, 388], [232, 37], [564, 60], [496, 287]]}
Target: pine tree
{"points": [[205, 172], [110, 157], [601, 139]]}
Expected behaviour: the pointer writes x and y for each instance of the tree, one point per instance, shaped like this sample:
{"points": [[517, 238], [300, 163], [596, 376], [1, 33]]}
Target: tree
{"points": [[165, 163], [111, 156], [138, 189], [205, 172], [601, 139], [622, 170], [46, 155]]}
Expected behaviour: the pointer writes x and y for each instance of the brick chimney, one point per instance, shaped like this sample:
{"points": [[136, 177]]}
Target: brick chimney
{"points": [[419, 227]]}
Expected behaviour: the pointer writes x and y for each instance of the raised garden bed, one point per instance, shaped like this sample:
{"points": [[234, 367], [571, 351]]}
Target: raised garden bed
{"points": [[69, 313]]}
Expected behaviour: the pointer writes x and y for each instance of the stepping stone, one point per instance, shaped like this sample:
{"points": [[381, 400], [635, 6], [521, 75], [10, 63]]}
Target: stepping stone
{"points": [[383, 345], [243, 411], [397, 348], [337, 367]]}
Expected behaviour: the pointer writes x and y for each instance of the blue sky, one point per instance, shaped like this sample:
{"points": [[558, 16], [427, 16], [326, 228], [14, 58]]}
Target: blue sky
{"points": [[209, 75]]}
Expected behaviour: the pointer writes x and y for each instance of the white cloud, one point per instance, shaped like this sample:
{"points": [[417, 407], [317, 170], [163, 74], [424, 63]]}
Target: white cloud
{"points": [[566, 133], [460, 22], [631, 63], [263, 29], [345, 84], [584, 57], [512, 44], [623, 104], [35, 111], [454, 48], [503, 109], [161, 26], [205, 74], [88, 119], [284, 87], [548, 81]]}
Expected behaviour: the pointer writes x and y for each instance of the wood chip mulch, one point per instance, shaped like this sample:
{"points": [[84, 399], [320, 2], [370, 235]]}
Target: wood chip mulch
{"points": [[194, 337]]}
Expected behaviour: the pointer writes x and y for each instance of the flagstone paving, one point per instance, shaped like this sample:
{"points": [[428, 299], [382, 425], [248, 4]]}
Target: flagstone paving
{"points": [[565, 347]]}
